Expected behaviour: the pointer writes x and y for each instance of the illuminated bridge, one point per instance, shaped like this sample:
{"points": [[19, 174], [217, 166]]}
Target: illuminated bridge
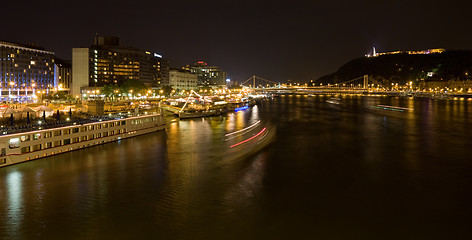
{"points": [[360, 85], [357, 85]]}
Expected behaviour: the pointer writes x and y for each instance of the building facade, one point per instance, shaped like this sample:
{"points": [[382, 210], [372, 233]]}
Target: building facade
{"points": [[182, 79], [63, 78], [107, 62], [208, 75], [24, 69]]}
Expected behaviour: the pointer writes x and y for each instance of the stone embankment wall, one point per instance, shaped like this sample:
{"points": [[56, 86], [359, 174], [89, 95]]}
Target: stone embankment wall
{"points": [[465, 85]]}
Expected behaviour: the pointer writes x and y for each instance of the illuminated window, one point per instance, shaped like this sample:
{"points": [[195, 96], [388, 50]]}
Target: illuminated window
{"points": [[25, 138]]}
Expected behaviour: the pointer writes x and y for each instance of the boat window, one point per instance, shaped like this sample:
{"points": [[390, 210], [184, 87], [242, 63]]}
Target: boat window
{"points": [[25, 149], [36, 136], [91, 136], [99, 126], [66, 141], [25, 138], [91, 127], [84, 138], [57, 143], [105, 125], [83, 129], [3, 152], [47, 134], [99, 135], [48, 145], [123, 122], [117, 123], [57, 133], [105, 134], [36, 147], [75, 130], [75, 140], [66, 131], [112, 124]]}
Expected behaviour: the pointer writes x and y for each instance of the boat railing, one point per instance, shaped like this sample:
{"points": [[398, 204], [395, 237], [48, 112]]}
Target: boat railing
{"points": [[5, 130]]}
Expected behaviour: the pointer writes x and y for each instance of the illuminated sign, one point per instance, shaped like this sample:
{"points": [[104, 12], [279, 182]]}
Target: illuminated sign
{"points": [[241, 108], [157, 55]]}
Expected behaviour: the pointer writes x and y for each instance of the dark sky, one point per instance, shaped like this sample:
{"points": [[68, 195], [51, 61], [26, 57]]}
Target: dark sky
{"points": [[277, 40]]}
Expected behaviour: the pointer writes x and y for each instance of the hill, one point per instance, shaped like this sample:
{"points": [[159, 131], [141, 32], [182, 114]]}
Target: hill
{"points": [[449, 65]]}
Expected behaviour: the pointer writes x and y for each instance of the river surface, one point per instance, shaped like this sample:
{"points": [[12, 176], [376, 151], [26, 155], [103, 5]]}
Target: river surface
{"points": [[347, 171]]}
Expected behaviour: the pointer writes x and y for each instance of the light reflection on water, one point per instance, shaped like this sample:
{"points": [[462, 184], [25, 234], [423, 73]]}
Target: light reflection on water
{"points": [[15, 200], [334, 172]]}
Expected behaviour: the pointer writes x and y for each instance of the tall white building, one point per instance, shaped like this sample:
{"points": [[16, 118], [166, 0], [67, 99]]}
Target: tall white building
{"points": [[107, 62]]}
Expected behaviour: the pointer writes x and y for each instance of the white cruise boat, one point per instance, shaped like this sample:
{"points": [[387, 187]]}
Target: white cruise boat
{"points": [[26, 146]]}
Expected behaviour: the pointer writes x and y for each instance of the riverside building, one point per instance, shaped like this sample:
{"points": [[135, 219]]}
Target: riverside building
{"points": [[25, 69], [108, 62], [63, 78], [182, 79], [208, 75]]}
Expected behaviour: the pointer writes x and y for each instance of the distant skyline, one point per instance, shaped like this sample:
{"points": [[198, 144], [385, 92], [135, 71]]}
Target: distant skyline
{"points": [[276, 40]]}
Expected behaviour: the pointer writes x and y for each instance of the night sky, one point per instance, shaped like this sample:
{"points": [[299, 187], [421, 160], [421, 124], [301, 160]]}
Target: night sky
{"points": [[277, 40]]}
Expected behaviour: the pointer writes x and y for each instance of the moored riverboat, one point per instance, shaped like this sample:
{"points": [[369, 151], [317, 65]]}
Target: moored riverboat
{"points": [[200, 113], [30, 145]]}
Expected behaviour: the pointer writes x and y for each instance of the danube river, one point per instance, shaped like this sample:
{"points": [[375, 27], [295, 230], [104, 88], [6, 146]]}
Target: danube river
{"points": [[334, 171]]}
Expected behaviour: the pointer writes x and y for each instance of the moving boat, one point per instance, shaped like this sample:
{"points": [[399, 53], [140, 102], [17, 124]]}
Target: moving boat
{"points": [[249, 140], [334, 100]]}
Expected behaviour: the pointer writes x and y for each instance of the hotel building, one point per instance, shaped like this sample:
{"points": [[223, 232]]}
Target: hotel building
{"points": [[24, 69], [108, 62]]}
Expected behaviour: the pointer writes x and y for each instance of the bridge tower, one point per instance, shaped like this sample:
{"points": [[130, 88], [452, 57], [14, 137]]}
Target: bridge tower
{"points": [[366, 81]]}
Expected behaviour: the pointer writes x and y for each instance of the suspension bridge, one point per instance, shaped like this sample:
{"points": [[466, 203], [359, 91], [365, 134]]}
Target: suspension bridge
{"points": [[358, 85]]}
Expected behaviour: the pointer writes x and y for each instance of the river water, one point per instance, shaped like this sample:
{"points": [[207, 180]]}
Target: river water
{"points": [[347, 171]]}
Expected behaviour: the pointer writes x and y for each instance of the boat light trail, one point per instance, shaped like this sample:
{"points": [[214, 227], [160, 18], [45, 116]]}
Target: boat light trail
{"points": [[411, 109], [386, 108], [244, 129], [249, 139]]}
